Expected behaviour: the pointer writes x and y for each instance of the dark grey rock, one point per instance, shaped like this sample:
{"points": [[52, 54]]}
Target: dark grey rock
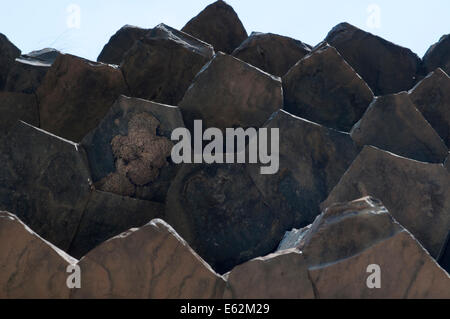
{"points": [[438, 55], [15, 107], [8, 53]]}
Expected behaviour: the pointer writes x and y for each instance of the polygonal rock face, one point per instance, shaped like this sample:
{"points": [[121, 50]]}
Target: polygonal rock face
{"points": [[386, 67], [438, 55], [76, 94], [161, 66], [432, 98], [272, 53], [114, 51], [15, 107], [8, 52], [31, 267], [312, 160], [150, 262], [283, 275], [393, 123], [222, 215], [230, 93], [219, 25], [129, 152], [417, 194], [107, 215], [323, 88], [44, 180]]}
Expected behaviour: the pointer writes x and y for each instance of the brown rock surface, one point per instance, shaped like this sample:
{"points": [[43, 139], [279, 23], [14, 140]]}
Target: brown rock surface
{"points": [[432, 98], [230, 93], [15, 107], [149, 262], [76, 94], [417, 194], [393, 123], [386, 67], [438, 55], [219, 25], [31, 268], [323, 88], [160, 66], [8, 53], [270, 52]]}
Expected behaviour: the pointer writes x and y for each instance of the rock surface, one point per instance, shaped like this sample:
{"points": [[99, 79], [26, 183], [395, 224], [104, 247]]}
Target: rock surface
{"points": [[438, 55], [15, 107], [31, 268], [230, 93], [76, 94], [219, 25], [107, 215], [150, 262], [114, 51], [272, 53], [386, 67], [323, 88], [160, 66], [393, 123], [8, 53], [44, 180], [432, 98], [417, 194], [129, 151]]}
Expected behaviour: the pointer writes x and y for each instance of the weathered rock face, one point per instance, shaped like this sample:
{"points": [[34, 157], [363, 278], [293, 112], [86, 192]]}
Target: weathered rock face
{"points": [[129, 152], [219, 25], [107, 215], [393, 123], [447, 164], [114, 51], [432, 98], [44, 180], [312, 160], [149, 262], [325, 89], [161, 66], [76, 94], [230, 93], [386, 67], [283, 275], [270, 52], [438, 55], [444, 256], [8, 53], [417, 194], [15, 107], [31, 267], [222, 215], [29, 70]]}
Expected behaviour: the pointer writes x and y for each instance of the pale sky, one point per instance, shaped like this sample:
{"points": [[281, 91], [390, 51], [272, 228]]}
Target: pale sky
{"points": [[33, 25]]}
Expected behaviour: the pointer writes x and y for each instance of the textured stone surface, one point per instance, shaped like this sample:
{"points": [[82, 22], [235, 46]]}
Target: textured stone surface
{"points": [[386, 67], [270, 52], [222, 215], [129, 152], [107, 215], [161, 66], [312, 160], [219, 25], [438, 55], [15, 107], [31, 268], [432, 98], [417, 194], [393, 123], [8, 53], [230, 93], [114, 51], [283, 275], [444, 255], [45, 181], [76, 94], [149, 262], [323, 88]]}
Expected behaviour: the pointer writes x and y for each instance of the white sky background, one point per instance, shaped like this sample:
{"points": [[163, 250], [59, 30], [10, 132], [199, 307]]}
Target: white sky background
{"points": [[33, 25]]}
